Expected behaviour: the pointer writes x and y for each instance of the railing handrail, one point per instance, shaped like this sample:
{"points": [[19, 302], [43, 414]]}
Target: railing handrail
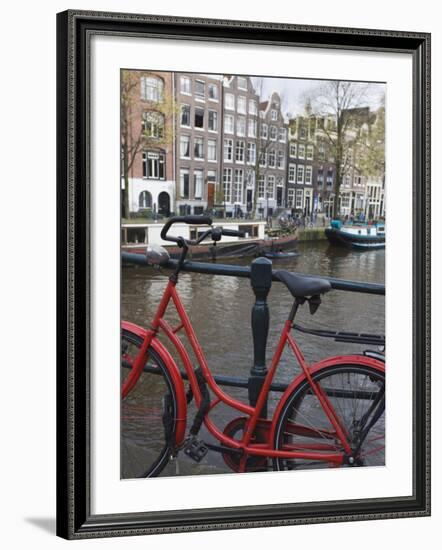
{"points": [[245, 272]]}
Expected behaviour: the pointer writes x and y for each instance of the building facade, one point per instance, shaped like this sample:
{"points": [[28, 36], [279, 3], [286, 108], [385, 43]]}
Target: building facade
{"points": [[240, 130], [272, 157], [147, 118], [198, 141]]}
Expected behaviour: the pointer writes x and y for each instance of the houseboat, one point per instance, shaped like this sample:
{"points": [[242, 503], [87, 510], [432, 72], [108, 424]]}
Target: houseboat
{"points": [[136, 236], [357, 235]]}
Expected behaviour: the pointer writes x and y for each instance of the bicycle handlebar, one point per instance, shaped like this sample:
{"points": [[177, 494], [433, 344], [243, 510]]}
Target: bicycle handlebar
{"points": [[190, 220], [233, 233]]}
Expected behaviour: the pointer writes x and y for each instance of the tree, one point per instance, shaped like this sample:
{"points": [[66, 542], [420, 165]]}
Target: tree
{"points": [[372, 148], [144, 125], [342, 106]]}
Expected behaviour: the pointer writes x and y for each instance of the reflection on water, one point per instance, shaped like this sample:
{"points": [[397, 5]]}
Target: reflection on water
{"points": [[220, 309]]}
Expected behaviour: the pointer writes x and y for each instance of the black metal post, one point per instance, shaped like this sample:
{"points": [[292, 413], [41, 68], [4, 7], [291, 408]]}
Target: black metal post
{"points": [[261, 280]]}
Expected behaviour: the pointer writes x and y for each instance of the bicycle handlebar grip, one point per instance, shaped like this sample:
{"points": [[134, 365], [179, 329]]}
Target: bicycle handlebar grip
{"points": [[197, 220], [233, 233]]}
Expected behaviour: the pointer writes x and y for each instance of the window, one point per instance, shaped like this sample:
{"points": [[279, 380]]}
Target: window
{"points": [[211, 149], [273, 132], [358, 180], [239, 155], [347, 181], [251, 153], [198, 148], [145, 200], [230, 102], [198, 183], [241, 126], [153, 125], [185, 115], [301, 151], [292, 151], [211, 176], [329, 177], [282, 134], [185, 147], [212, 92], [251, 132], [309, 152], [199, 118], [227, 184], [242, 83], [153, 165], [185, 85], [279, 181], [274, 114], [253, 107], [302, 132], [300, 174], [261, 187], [280, 161], [272, 159], [270, 187], [213, 121], [292, 173], [264, 130], [200, 89], [345, 201], [228, 124], [298, 203], [320, 176], [263, 159], [241, 105], [238, 186], [152, 88], [321, 151], [184, 183], [308, 175], [290, 198], [228, 149]]}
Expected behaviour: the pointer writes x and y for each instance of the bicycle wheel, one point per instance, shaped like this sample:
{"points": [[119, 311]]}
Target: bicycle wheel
{"points": [[148, 414], [357, 395]]}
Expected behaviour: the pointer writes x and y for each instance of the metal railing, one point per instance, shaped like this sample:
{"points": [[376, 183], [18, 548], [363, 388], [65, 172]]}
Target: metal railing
{"points": [[261, 277]]}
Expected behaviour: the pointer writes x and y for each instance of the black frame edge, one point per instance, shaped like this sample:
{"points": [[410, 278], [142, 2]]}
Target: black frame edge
{"points": [[73, 518]]}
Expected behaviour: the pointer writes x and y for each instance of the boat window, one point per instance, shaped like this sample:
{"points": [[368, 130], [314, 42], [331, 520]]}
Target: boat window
{"points": [[136, 235]]}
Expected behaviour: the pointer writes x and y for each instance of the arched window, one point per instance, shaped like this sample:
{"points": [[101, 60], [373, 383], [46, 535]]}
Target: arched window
{"points": [[145, 200], [152, 88]]}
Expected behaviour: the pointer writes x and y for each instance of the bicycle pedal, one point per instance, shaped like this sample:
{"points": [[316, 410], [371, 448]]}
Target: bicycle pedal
{"points": [[196, 450]]}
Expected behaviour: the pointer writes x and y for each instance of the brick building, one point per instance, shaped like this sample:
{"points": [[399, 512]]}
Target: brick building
{"points": [[148, 116]]}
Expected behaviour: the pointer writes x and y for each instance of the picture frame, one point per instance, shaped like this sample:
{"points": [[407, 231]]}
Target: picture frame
{"points": [[75, 30]]}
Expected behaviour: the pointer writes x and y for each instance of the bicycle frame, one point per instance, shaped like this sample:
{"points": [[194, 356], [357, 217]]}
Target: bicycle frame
{"points": [[246, 445]]}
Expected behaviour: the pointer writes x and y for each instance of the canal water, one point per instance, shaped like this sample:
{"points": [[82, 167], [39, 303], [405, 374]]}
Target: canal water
{"points": [[220, 310]]}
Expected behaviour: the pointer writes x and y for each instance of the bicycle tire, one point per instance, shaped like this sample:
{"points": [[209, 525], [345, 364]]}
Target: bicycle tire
{"points": [[340, 382], [144, 448]]}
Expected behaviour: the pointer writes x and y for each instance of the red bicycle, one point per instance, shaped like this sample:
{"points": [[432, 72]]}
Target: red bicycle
{"points": [[330, 415]]}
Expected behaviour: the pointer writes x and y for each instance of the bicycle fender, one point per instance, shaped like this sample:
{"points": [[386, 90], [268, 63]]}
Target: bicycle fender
{"points": [[175, 375], [324, 363]]}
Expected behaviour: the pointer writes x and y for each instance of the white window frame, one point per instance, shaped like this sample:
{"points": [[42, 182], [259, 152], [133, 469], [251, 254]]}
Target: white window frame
{"points": [[241, 79], [308, 175], [301, 151], [300, 174], [157, 95], [280, 159], [299, 198], [240, 149], [183, 105], [212, 86], [290, 197], [198, 183], [211, 147], [228, 147], [271, 186], [197, 141], [185, 79], [241, 104], [253, 107], [241, 126], [293, 150], [212, 112], [272, 159], [264, 131], [273, 130], [197, 96], [229, 102], [238, 186], [261, 186], [182, 138], [292, 173], [274, 115], [251, 128], [227, 184], [229, 124], [282, 134], [183, 172], [309, 152], [251, 152]]}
